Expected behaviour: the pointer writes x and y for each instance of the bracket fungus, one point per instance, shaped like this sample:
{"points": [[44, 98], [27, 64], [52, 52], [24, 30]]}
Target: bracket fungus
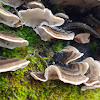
{"points": [[97, 85], [33, 4], [34, 17], [12, 3], [93, 72], [47, 33], [73, 73], [82, 38], [67, 55], [12, 64], [10, 40], [62, 15], [8, 18]]}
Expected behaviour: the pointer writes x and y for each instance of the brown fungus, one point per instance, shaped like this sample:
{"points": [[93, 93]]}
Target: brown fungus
{"points": [[12, 64], [8, 18], [10, 40], [82, 38], [46, 33], [67, 55], [93, 72], [73, 73], [70, 54], [97, 85]]}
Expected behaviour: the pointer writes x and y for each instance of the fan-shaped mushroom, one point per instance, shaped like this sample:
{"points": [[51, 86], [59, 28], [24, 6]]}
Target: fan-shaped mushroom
{"points": [[73, 73], [13, 3], [46, 33], [34, 17], [82, 38], [10, 40], [62, 15], [97, 85], [8, 18], [34, 4], [12, 64], [93, 72], [67, 55]]}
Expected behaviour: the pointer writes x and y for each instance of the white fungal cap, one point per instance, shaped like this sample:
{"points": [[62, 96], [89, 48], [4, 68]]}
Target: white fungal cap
{"points": [[12, 3], [34, 17], [10, 40], [82, 38], [12, 64], [8, 18], [46, 33]]}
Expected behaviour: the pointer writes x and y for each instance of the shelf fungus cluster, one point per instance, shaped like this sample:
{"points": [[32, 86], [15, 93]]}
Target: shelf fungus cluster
{"points": [[43, 22], [12, 64], [38, 17], [86, 72]]}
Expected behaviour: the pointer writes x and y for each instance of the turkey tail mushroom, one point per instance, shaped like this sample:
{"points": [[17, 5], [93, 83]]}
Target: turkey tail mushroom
{"points": [[97, 85], [93, 72], [10, 40], [67, 55], [82, 38], [8, 18], [47, 33], [12, 64], [73, 73]]}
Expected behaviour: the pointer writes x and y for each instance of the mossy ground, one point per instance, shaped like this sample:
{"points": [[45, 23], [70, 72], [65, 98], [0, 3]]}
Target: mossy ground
{"points": [[19, 85]]}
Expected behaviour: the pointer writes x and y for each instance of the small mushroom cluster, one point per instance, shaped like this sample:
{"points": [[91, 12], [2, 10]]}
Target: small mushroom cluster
{"points": [[69, 71]]}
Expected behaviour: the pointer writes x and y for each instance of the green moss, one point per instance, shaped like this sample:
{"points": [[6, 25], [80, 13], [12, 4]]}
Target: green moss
{"points": [[93, 47], [19, 85]]}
